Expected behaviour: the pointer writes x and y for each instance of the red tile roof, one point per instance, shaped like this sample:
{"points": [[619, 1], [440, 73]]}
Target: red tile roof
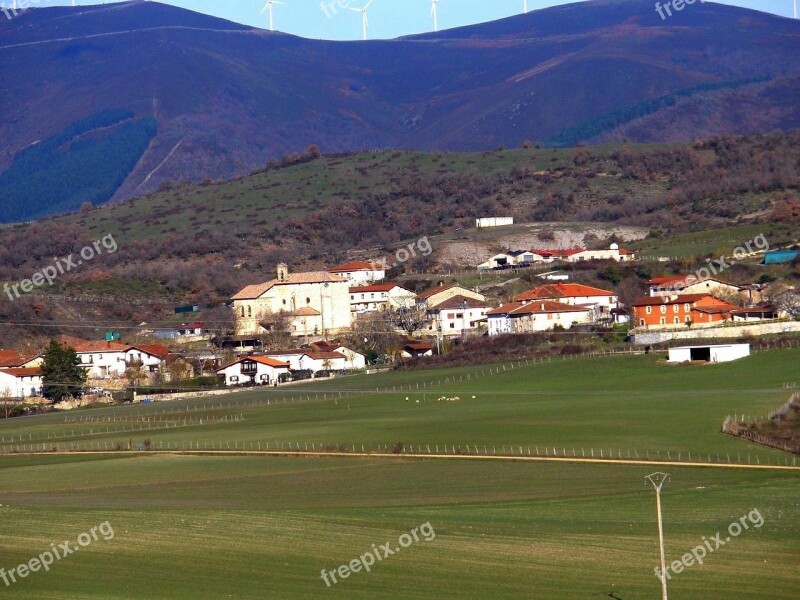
{"points": [[305, 311], [565, 252], [12, 358], [252, 292], [561, 290], [545, 307], [29, 372], [358, 265], [264, 360], [421, 346], [315, 355], [505, 309], [458, 302]]}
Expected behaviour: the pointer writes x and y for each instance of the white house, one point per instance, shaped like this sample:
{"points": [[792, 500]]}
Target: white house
{"points": [[110, 360], [14, 359], [710, 353], [614, 252], [457, 316], [310, 359], [600, 301], [380, 297], [18, 382], [353, 360], [530, 317], [360, 272], [498, 261], [257, 370]]}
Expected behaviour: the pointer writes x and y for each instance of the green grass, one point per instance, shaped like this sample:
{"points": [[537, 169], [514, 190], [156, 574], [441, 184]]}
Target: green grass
{"points": [[264, 527], [630, 404], [200, 527]]}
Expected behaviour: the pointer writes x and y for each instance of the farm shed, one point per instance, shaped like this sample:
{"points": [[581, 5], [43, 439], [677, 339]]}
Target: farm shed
{"points": [[710, 353]]}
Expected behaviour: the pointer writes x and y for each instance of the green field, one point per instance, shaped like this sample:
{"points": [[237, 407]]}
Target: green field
{"points": [[193, 526]]}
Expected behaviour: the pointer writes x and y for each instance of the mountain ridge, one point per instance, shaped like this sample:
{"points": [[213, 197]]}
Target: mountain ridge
{"points": [[225, 105]]}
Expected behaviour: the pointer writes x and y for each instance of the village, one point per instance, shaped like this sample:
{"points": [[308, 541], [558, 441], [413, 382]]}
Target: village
{"points": [[352, 319]]}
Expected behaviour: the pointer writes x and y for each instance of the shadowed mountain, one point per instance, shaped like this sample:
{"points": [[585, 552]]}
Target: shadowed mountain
{"points": [[213, 99]]}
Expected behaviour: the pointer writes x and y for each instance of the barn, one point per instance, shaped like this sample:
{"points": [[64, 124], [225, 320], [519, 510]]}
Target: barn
{"points": [[710, 353]]}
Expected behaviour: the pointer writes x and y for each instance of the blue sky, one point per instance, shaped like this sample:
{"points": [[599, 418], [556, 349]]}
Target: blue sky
{"points": [[387, 18]]}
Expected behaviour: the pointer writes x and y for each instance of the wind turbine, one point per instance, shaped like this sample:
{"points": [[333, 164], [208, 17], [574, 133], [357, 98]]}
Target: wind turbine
{"points": [[435, 14], [363, 11], [795, 9], [525, 6], [267, 6]]}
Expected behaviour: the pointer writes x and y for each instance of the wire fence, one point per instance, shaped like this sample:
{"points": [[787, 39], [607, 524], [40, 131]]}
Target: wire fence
{"points": [[410, 450]]}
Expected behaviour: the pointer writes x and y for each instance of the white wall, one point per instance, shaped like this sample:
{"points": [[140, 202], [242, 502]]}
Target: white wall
{"points": [[20, 387]]}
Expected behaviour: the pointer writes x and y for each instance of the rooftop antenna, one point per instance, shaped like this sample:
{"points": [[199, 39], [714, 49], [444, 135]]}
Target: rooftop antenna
{"points": [[658, 480], [363, 11], [267, 7], [435, 14]]}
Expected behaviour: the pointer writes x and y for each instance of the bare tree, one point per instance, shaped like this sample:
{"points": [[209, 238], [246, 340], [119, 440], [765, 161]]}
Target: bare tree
{"points": [[788, 303], [276, 330], [9, 403]]}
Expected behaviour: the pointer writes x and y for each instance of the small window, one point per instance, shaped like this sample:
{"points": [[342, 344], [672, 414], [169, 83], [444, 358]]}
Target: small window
{"points": [[663, 309], [649, 310], [243, 312], [308, 300], [677, 321], [641, 322], [675, 308], [249, 311], [663, 320], [687, 308]]}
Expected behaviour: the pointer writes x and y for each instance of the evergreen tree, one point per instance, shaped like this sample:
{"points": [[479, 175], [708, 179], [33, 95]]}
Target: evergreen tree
{"points": [[62, 374]]}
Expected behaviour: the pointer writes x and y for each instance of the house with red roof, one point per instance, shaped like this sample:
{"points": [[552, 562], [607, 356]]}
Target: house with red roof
{"points": [[109, 359], [20, 382], [254, 370], [380, 297], [534, 316], [661, 312], [599, 301], [360, 272], [14, 359], [613, 252], [314, 303]]}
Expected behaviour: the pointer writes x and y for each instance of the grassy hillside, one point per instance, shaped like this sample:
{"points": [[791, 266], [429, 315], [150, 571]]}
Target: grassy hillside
{"points": [[258, 527], [626, 404]]}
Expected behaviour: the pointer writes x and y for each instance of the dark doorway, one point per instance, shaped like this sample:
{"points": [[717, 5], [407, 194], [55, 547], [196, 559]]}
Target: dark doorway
{"points": [[701, 354]]}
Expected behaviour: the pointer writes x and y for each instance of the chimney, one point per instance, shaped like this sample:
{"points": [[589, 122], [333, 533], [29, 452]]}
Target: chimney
{"points": [[283, 271]]}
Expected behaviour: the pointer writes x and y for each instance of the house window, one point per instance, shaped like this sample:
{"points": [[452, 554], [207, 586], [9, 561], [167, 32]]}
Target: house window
{"points": [[649, 310], [249, 311], [308, 300], [663, 310], [284, 301], [641, 322], [249, 367], [663, 320], [687, 308], [677, 321], [243, 312], [234, 379], [452, 325], [675, 308]]}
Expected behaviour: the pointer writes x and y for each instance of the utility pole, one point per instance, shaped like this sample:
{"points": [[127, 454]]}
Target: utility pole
{"points": [[658, 480]]}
